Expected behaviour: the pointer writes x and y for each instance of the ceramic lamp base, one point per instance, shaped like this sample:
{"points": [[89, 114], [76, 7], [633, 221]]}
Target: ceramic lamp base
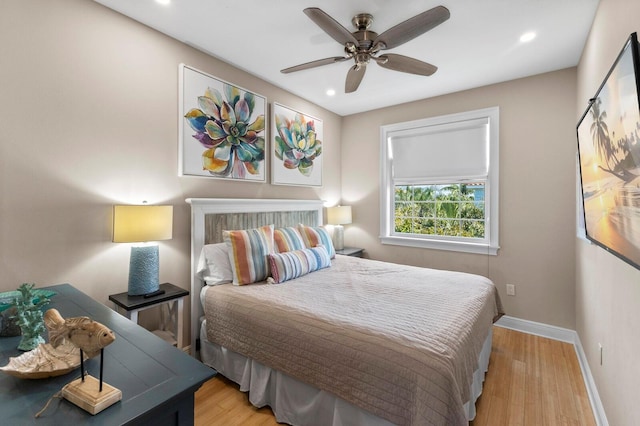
{"points": [[338, 237], [143, 270]]}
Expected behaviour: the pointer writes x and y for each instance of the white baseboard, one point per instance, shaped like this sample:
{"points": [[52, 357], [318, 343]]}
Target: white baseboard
{"points": [[539, 329], [568, 336]]}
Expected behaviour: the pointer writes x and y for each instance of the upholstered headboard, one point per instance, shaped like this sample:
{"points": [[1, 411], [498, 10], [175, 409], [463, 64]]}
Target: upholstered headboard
{"points": [[211, 216]]}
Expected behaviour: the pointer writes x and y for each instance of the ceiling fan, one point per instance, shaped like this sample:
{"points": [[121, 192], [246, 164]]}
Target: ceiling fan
{"points": [[364, 45]]}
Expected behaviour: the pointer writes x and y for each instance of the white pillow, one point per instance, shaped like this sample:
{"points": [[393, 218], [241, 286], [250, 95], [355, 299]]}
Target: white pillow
{"points": [[213, 266]]}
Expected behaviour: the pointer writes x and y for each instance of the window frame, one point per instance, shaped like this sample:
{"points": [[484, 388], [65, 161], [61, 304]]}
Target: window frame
{"points": [[490, 244]]}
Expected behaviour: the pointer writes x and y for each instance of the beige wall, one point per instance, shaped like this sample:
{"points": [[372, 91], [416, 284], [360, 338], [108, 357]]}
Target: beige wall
{"points": [[537, 191], [89, 118], [607, 289]]}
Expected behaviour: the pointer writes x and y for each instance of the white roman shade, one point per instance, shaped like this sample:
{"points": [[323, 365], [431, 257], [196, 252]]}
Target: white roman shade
{"points": [[445, 153]]}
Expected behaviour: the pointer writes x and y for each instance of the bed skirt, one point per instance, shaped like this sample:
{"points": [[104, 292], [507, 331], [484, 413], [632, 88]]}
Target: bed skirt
{"points": [[298, 403]]}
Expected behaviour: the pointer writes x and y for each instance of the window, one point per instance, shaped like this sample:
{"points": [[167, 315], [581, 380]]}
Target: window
{"points": [[439, 185]]}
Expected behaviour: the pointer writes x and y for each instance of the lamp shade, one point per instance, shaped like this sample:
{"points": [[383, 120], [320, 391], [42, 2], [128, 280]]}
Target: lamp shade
{"points": [[133, 224], [339, 215]]}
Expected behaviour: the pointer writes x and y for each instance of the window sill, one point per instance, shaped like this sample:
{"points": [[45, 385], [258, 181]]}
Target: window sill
{"points": [[463, 247]]}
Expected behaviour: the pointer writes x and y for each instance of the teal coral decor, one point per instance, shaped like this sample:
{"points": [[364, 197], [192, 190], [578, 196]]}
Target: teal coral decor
{"points": [[8, 312], [30, 317]]}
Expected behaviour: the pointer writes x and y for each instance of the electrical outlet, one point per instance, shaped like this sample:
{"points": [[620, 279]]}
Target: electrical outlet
{"points": [[511, 289]]}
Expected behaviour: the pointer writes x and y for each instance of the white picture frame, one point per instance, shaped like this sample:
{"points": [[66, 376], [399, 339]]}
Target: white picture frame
{"points": [[296, 147], [222, 129]]}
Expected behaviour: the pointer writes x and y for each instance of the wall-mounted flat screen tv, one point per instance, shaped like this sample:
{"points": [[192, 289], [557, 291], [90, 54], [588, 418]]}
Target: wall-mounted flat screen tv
{"points": [[609, 152]]}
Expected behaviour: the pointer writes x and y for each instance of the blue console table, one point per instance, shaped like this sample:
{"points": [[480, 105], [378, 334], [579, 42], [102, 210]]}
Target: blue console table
{"points": [[157, 380]]}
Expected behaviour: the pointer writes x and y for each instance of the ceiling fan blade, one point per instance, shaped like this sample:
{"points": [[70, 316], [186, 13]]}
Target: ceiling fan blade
{"points": [[413, 27], [330, 26], [405, 64], [314, 64], [354, 77]]}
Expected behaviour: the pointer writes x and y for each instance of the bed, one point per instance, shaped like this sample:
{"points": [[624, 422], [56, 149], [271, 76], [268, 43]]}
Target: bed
{"points": [[359, 342]]}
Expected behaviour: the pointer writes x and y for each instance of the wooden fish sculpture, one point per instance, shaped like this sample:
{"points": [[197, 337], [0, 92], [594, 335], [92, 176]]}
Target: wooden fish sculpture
{"points": [[88, 335]]}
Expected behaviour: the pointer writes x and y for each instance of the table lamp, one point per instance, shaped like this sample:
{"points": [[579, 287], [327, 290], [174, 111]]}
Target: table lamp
{"points": [[143, 224], [338, 216]]}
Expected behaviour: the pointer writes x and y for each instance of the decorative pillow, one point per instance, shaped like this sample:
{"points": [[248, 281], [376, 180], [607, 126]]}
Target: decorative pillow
{"points": [[315, 236], [296, 263], [213, 266], [248, 250], [287, 239]]}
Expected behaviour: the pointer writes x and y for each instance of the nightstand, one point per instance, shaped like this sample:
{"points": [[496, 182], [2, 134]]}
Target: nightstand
{"points": [[173, 297], [351, 251]]}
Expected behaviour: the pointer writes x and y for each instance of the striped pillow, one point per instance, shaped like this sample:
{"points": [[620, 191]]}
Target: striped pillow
{"points": [[287, 239], [315, 236], [248, 250], [296, 263]]}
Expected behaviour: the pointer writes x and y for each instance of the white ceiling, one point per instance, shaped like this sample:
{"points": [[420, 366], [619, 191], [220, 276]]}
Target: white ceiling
{"points": [[478, 45]]}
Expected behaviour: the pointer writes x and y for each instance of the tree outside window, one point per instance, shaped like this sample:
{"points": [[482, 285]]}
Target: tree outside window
{"points": [[455, 210]]}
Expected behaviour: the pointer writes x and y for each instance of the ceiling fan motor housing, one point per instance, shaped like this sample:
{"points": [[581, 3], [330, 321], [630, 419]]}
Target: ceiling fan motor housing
{"points": [[365, 37]]}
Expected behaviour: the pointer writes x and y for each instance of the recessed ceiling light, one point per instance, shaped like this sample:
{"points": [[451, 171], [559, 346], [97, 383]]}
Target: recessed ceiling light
{"points": [[527, 36], [163, 1], [331, 92]]}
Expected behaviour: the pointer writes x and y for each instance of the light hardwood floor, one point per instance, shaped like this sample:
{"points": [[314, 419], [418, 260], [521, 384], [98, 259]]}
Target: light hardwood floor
{"points": [[531, 381]]}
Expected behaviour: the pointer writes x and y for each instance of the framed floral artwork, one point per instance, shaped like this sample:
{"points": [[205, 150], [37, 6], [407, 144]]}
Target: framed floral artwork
{"points": [[222, 129], [296, 148]]}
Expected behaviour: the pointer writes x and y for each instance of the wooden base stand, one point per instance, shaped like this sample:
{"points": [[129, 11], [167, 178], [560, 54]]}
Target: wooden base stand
{"points": [[87, 394]]}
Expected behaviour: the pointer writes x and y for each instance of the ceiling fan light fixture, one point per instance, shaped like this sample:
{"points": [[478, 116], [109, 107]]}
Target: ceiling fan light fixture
{"points": [[362, 59], [350, 48]]}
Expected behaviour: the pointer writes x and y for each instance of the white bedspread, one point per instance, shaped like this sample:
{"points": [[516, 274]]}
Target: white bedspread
{"points": [[399, 341]]}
